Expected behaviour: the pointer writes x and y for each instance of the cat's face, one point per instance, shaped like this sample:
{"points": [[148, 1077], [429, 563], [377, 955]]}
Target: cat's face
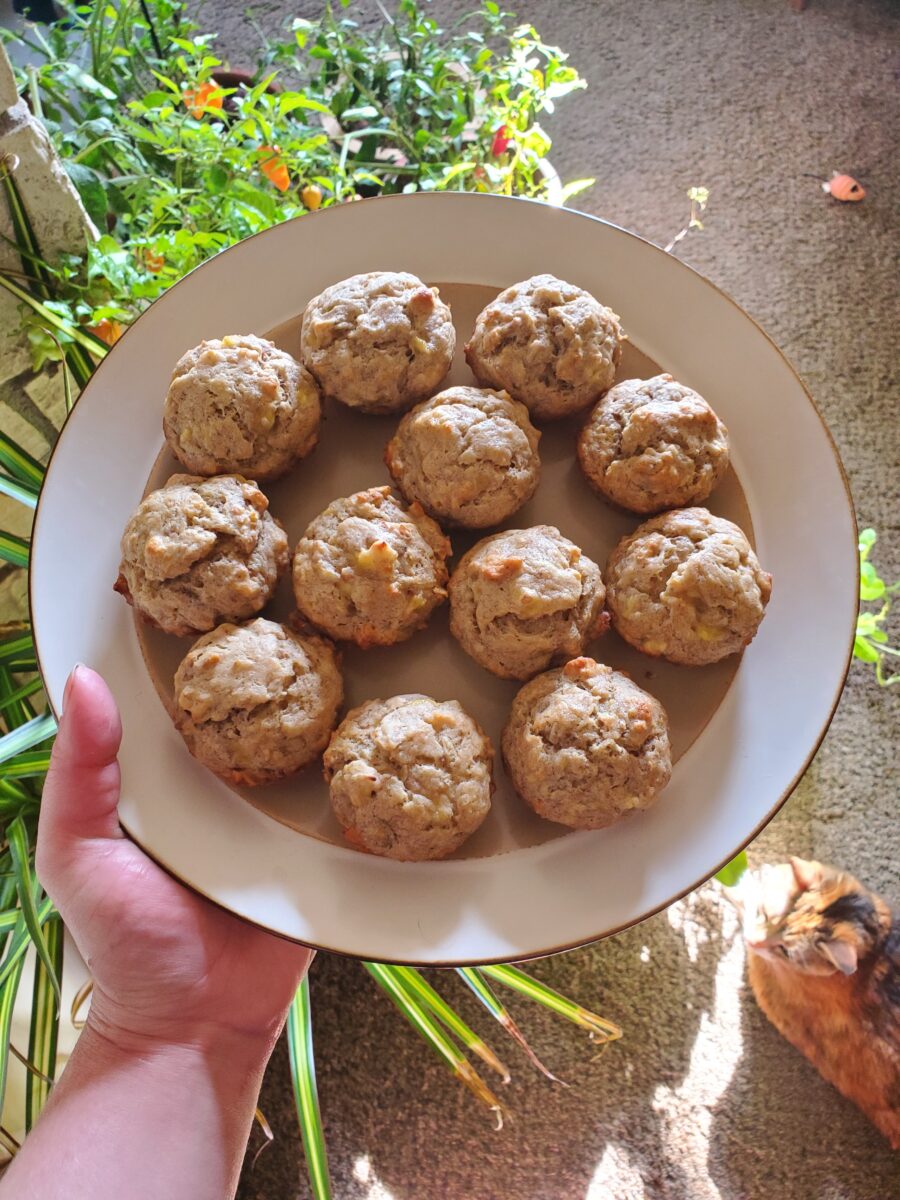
{"points": [[809, 917]]}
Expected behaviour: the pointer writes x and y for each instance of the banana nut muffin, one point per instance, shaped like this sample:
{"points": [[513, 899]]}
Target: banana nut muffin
{"points": [[549, 344], [257, 702], [201, 551], [585, 746], [521, 599], [240, 405], [652, 444], [687, 586], [410, 777], [369, 570], [378, 342], [469, 456]]}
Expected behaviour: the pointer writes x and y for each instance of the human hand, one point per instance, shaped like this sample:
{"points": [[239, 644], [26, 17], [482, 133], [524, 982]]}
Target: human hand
{"points": [[168, 966]]}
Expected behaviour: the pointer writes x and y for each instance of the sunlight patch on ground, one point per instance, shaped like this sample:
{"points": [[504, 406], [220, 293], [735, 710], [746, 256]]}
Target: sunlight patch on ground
{"points": [[363, 1173], [686, 1111], [615, 1176]]}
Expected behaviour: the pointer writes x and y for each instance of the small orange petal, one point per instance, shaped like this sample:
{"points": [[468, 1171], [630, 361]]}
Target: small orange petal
{"points": [[107, 331], [274, 169], [207, 95]]}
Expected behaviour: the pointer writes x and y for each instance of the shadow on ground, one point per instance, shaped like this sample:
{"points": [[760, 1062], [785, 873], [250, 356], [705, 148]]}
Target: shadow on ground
{"points": [[421, 1134]]}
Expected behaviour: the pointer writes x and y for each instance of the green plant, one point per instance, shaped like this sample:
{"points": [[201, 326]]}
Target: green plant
{"points": [[699, 198], [417, 108], [172, 166], [733, 871], [871, 643]]}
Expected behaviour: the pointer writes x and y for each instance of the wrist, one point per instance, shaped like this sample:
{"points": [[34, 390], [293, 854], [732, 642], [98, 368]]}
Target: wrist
{"points": [[116, 1032]]}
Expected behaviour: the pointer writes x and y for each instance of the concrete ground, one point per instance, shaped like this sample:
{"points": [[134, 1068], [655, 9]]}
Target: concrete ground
{"points": [[702, 1100]]}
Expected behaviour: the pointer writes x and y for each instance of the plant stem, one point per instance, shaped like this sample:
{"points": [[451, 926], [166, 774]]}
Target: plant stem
{"points": [[34, 92]]}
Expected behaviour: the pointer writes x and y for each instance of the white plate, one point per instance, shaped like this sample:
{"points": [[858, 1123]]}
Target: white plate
{"points": [[744, 732]]}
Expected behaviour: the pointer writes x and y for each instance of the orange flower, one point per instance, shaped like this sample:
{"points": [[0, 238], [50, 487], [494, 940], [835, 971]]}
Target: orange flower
{"points": [[152, 261], [107, 331], [207, 95], [274, 169]]}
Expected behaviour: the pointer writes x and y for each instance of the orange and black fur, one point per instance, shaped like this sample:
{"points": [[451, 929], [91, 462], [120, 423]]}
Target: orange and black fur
{"points": [[824, 965]]}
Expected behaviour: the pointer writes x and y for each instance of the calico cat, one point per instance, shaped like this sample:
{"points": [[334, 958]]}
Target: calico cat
{"points": [[824, 965]]}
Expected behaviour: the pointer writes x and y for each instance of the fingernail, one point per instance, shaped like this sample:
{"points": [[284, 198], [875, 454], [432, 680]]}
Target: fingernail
{"points": [[69, 683]]}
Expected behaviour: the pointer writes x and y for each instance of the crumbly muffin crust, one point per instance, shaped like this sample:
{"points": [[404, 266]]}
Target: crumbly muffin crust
{"points": [[257, 702], [550, 344], [378, 342], [687, 586], [469, 456], [240, 405], [410, 777], [652, 444], [585, 746], [369, 570], [198, 552], [522, 599]]}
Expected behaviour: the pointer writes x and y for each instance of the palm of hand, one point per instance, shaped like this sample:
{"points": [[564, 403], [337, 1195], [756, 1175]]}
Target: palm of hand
{"points": [[164, 960]]}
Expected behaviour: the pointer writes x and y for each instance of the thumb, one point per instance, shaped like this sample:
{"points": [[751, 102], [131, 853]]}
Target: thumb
{"points": [[82, 789]]}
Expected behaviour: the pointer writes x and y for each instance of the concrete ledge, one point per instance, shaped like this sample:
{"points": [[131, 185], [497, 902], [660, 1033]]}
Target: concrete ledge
{"points": [[8, 92]]}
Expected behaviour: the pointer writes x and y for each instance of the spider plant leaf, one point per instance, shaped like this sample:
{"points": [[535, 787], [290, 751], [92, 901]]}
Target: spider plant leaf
{"points": [[23, 234], [25, 1061], [17, 837], [19, 463], [84, 339], [33, 764], [24, 493], [77, 362], [44, 1033], [500, 1013], [16, 696], [25, 253], [11, 793], [39, 277], [7, 1004], [391, 983], [9, 1143], [15, 706], [269, 1137], [19, 649], [67, 383], [513, 978], [10, 912], [422, 990], [28, 735], [732, 871], [306, 1094], [15, 803], [13, 549], [78, 1002]]}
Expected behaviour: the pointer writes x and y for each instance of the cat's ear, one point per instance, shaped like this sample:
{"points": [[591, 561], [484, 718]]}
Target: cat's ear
{"points": [[841, 955], [807, 874]]}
